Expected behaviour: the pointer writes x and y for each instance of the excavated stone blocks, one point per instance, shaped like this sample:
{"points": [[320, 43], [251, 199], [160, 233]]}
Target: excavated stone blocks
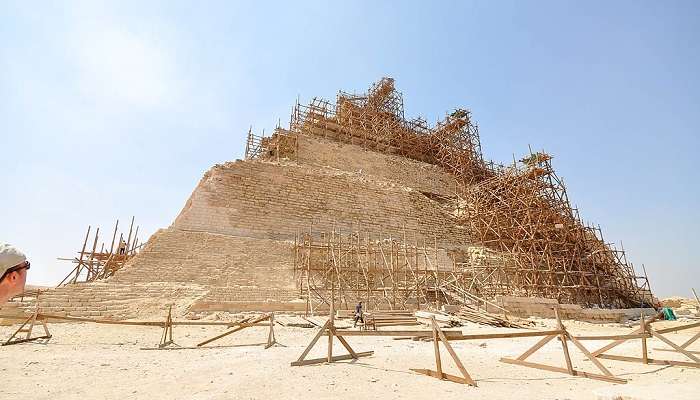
{"points": [[541, 307]]}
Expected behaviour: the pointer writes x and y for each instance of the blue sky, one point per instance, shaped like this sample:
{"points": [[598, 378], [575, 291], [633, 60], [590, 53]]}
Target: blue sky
{"points": [[109, 110]]}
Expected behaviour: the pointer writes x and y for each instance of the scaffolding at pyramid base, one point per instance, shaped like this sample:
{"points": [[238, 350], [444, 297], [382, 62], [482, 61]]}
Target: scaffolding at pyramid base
{"points": [[537, 243]]}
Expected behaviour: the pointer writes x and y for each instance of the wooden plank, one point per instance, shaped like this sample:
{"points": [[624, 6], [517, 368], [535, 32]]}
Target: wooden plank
{"points": [[675, 346], [567, 358], [136, 323], [18, 341], [620, 341], [436, 347], [536, 347], [443, 376], [613, 344], [201, 348], [422, 333], [347, 346], [645, 352], [294, 321], [582, 374], [331, 328], [672, 350], [650, 360], [313, 341], [383, 324], [234, 330], [614, 337], [691, 340], [507, 335], [217, 337], [678, 328], [227, 324], [451, 335], [564, 345], [271, 340], [450, 350], [588, 354], [325, 359]]}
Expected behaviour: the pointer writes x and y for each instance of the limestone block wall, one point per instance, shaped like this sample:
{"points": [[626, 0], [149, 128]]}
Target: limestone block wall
{"points": [[238, 298], [273, 200], [149, 300], [173, 255], [314, 150], [118, 300], [542, 307]]}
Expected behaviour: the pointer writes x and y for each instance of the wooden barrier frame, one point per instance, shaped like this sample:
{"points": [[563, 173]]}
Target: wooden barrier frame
{"points": [[564, 336], [644, 332], [439, 336], [166, 341], [329, 329], [137, 323], [246, 323], [31, 322], [271, 339], [166, 338]]}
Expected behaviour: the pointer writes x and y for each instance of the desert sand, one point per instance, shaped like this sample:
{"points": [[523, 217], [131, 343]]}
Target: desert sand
{"points": [[91, 361]]}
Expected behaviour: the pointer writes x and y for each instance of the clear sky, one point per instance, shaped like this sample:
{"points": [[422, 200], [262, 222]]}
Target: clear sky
{"points": [[109, 110]]}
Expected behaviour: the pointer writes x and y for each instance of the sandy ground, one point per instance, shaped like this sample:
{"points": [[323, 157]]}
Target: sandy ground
{"points": [[106, 362]]}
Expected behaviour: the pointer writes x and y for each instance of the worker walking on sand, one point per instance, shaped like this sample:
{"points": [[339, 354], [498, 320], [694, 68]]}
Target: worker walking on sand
{"points": [[358, 314], [13, 272]]}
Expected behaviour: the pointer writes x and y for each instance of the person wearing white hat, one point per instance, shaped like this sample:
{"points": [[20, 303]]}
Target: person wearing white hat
{"points": [[13, 272]]}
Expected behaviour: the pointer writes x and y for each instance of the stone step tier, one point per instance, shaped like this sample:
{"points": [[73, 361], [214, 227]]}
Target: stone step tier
{"points": [[211, 260], [119, 301], [236, 299]]}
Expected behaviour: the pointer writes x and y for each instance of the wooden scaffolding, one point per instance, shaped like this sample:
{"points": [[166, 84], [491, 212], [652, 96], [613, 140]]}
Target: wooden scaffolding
{"points": [[537, 244], [93, 264], [339, 269], [375, 120], [523, 213]]}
